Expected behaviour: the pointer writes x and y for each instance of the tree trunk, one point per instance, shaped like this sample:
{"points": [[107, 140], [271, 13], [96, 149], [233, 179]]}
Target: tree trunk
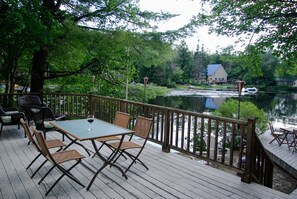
{"points": [[38, 69], [39, 64]]}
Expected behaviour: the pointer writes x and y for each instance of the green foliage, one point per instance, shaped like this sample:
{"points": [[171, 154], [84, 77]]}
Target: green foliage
{"points": [[65, 38], [268, 24], [185, 60], [247, 110], [137, 92]]}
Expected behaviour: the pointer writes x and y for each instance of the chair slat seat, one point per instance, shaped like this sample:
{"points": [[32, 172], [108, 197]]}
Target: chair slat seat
{"points": [[54, 143], [65, 156], [126, 145]]}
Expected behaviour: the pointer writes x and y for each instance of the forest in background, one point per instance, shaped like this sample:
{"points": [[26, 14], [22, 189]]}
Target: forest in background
{"points": [[99, 46]]}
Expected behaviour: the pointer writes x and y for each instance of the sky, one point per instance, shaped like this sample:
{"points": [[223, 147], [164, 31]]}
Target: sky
{"points": [[186, 9]]}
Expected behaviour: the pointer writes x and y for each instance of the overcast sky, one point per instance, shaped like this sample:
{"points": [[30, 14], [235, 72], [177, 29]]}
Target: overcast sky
{"points": [[186, 9]]}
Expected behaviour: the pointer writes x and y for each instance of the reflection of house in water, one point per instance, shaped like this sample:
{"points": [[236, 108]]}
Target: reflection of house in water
{"points": [[214, 103]]}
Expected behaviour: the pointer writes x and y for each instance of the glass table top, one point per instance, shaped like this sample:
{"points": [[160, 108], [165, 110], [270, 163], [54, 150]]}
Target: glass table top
{"points": [[79, 129]]}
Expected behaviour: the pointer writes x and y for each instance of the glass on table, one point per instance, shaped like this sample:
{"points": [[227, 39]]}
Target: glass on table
{"points": [[90, 119]]}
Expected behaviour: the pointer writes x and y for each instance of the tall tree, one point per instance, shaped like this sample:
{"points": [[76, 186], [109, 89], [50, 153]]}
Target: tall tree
{"points": [[104, 15], [19, 28], [200, 69], [55, 19], [185, 61]]}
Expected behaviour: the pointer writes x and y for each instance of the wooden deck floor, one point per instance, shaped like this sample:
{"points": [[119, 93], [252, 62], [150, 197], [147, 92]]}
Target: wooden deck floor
{"points": [[170, 176], [281, 155]]}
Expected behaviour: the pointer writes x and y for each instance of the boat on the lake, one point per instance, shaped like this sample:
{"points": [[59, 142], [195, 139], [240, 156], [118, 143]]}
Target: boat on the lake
{"points": [[251, 90]]}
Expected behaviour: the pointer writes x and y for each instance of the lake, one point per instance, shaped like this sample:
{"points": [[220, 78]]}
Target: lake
{"points": [[280, 108]]}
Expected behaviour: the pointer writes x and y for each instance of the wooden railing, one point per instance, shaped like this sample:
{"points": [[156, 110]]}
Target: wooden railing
{"points": [[226, 141]]}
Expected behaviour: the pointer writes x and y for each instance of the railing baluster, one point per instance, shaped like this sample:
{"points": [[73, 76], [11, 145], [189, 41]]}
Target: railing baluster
{"points": [[171, 127]]}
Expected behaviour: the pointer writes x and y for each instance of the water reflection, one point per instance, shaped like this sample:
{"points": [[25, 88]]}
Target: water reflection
{"points": [[277, 106]]}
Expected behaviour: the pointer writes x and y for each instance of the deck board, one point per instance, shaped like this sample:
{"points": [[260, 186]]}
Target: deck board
{"points": [[170, 175]]}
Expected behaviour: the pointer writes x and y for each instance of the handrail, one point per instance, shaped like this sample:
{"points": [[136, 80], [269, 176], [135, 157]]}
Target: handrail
{"points": [[211, 138]]}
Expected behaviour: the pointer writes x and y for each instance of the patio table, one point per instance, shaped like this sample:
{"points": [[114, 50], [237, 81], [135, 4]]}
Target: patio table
{"points": [[78, 130]]}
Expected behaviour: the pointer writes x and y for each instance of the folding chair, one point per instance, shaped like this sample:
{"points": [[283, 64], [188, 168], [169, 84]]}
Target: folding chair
{"points": [[276, 134], [49, 143], [57, 159], [122, 120], [141, 129]]}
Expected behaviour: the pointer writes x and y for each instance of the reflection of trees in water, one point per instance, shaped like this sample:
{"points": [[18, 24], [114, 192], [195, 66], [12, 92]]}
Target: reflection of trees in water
{"points": [[274, 105], [191, 103]]}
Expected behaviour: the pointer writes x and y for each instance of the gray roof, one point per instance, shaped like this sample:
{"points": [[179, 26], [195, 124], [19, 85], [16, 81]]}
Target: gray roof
{"points": [[211, 68]]}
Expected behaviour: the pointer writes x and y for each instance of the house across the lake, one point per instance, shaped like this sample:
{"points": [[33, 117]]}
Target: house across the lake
{"points": [[216, 74]]}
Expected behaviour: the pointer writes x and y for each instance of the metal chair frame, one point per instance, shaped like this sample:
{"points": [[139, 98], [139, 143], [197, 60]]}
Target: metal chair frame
{"points": [[142, 129], [50, 144], [57, 159]]}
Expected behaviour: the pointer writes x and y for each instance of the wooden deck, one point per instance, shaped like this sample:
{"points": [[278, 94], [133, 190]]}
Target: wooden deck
{"points": [[281, 155], [171, 175]]}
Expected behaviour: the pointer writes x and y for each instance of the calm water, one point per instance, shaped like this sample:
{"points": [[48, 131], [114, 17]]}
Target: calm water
{"points": [[279, 107]]}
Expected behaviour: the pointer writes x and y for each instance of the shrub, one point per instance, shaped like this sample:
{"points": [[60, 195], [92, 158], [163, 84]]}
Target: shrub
{"points": [[247, 110]]}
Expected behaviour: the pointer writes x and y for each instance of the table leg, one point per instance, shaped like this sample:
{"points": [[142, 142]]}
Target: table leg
{"points": [[293, 143], [285, 138], [107, 161], [74, 141]]}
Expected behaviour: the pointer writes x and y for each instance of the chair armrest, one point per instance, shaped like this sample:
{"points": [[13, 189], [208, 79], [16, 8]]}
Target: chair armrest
{"points": [[10, 109], [35, 106], [17, 115], [60, 117]]}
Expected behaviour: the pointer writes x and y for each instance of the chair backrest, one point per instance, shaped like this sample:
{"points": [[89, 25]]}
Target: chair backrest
{"points": [[271, 128], [122, 119], [48, 114], [37, 115], [41, 143], [28, 100], [40, 115], [28, 133], [2, 112], [142, 127]]}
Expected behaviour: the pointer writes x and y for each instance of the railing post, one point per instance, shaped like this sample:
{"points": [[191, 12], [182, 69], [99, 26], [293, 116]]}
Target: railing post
{"points": [[166, 145], [249, 156]]}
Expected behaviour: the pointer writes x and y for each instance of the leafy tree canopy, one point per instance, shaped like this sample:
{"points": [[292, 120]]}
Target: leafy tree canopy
{"points": [[81, 32], [268, 24]]}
